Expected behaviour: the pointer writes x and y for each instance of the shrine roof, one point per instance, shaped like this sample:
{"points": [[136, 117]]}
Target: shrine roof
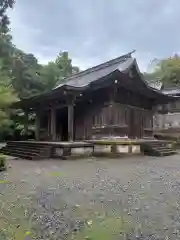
{"points": [[174, 91], [84, 78]]}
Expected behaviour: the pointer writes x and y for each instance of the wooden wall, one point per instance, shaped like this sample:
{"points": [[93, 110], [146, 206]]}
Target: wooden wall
{"points": [[120, 117]]}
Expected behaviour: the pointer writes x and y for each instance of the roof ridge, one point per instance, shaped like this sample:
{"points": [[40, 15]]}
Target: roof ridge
{"points": [[100, 66]]}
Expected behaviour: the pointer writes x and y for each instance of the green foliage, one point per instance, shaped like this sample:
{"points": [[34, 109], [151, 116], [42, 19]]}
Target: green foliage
{"points": [[55, 72], [167, 70], [7, 96], [25, 74], [64, 64], [105, 228], [29, 78], [4, 20], [50, 74]]}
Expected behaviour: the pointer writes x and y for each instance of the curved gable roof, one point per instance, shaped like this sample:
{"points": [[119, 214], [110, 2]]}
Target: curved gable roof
{"points": [[90, 75]]}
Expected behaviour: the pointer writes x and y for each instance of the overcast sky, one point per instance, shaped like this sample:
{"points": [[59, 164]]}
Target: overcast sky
{"points": [[93, 31]]}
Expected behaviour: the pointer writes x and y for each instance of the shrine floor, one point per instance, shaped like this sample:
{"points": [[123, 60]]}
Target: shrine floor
{"points": [[35, 150], [55, 199]]}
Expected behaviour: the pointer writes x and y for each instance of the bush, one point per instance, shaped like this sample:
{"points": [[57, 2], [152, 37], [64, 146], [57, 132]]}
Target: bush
{"points": [[2, 162]]}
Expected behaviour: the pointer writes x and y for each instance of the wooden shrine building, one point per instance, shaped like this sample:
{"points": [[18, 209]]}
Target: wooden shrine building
{"points": [[111, 99]]}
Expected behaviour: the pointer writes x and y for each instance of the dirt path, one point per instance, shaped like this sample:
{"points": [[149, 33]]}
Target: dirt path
{"points": [[54, 198]]}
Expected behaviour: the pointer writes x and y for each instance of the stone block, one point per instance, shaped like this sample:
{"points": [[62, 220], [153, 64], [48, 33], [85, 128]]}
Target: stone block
{"points": [[169, 145], [122, 149], [82, 151], [58, 152], [136, 149], [102, 149]]}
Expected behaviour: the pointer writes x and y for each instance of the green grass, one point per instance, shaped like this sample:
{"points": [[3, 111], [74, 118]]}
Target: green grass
{"points": [[13, 222], [101, 225], [105, 228]]}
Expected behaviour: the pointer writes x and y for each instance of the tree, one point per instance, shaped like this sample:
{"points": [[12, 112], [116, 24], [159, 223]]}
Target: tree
{"points": [[29, 78], [64, 64], [50, 75], [7, 94], [166, 70], [7, 97], [4, 20], [25, 73], [55, 72], [5, 38]]}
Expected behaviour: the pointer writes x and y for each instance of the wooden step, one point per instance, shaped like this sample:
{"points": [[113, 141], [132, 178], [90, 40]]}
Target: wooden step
{"points": [[167, 153], [157, 144], [161, 148], [19, 155], [25, 145], [24, 149], [19, 151], [157, 148]]}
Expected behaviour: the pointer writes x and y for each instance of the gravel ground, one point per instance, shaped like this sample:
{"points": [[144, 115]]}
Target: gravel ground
{"points": [[53, 199]]}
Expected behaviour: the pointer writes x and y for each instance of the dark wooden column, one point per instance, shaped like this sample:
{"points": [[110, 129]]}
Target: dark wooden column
{"points": [[70, 122], [155, 114], [37, 126], [26, 121], [49, 123], [112, 100], [70, 103], [53, 123]]}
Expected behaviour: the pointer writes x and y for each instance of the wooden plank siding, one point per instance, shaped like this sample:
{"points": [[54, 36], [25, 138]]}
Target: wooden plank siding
{"points": [[114, 119], [114, 113]]}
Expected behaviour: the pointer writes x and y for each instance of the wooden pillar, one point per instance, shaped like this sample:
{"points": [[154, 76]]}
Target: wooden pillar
{"points": [[70, 122], [37, 126], [53, 124], [26, 122], [112, 95], [49, 124]]}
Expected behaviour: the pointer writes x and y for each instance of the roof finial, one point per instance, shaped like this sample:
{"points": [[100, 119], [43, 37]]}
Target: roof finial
{"points": [[133, 51]]}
